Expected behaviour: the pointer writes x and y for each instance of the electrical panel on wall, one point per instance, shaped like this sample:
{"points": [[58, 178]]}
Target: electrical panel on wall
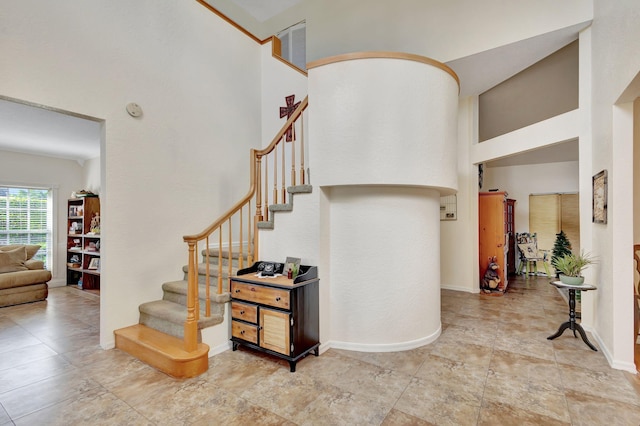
{"points": [[449, 207]]}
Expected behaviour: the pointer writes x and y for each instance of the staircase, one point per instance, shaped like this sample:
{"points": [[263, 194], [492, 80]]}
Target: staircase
{"points": [[169, 333], [158, 338]]}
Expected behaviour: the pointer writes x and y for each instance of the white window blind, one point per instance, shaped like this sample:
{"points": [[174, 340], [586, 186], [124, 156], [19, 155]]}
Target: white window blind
{"points": [[293, 41], [26, 218]]}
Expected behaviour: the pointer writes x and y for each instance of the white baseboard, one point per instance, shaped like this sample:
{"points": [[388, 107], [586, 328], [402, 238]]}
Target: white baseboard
{"points": [[456, 288], [616, 364], [382, 347], [57, 282]]}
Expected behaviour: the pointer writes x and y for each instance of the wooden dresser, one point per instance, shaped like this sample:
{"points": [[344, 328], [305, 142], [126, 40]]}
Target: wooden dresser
{"points": [[276, 315]]}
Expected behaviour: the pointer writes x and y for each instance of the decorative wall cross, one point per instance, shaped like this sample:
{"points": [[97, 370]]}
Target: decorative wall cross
{"points": [[288, 110]]}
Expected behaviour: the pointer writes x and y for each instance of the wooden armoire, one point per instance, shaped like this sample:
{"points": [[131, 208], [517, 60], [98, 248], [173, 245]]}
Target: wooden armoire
{"points": [[496, 233]]}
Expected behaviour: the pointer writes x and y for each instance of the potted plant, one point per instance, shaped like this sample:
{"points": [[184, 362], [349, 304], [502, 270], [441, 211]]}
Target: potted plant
{"points": [[570, 267]]}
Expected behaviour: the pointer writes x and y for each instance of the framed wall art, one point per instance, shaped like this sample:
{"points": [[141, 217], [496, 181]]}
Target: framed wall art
{"points": [[94, 263], [600, 197]]}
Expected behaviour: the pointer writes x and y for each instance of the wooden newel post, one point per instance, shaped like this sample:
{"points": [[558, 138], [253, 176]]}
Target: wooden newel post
{"points": [[191, 325]]}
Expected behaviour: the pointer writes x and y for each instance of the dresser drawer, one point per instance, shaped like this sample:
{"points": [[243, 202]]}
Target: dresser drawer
{"points": [[244, 312], [264, 295], [244, 331]]}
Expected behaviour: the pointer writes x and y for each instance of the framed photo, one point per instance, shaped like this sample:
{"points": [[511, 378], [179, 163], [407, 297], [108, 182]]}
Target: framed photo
{"points": [[292, 263], [600, 197], [94, 263]]}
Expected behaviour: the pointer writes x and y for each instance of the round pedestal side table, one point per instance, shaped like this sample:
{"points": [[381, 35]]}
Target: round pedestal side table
{"points": [[571, 324]]}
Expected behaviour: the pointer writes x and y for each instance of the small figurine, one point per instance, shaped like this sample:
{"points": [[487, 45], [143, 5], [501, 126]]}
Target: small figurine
{"points": [[95, 223], [491, 278]]}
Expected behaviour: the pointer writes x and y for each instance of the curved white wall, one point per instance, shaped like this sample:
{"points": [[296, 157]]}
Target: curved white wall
{"points": [[385, 267], [383, 133], [383, 121]]}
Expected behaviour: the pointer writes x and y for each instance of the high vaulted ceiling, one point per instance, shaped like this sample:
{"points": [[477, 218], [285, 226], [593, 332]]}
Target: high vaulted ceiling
{"points": [[28, 129], [265, 9]]}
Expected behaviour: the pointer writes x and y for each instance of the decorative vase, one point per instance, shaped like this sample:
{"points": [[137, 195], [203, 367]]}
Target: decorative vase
{"points": [[571, 280]]}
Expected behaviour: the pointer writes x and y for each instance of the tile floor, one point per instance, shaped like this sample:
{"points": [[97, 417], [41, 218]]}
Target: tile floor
{"points": [[492, 365]]}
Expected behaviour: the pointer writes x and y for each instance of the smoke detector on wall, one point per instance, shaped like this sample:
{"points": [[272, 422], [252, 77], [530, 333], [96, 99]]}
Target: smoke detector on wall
{"points": [[134, 109]]}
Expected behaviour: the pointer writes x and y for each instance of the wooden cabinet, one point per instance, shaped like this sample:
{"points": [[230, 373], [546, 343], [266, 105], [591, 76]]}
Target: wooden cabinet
{"points": [[495, 225], [509, 221], [83, 242], [276, 315]]}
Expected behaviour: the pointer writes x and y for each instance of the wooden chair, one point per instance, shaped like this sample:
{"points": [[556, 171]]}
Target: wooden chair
{"points": [[530, 255]]}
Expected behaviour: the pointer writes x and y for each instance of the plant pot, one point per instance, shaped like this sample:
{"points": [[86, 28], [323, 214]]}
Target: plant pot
{"points": [[571, 280]]}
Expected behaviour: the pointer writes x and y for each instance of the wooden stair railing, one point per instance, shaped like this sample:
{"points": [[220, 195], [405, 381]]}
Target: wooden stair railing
{"points": [[237, 222]]}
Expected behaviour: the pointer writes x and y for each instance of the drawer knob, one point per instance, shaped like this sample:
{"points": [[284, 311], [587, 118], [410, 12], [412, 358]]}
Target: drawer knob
{"points": [[241, 312], [237, 290], [242, 332], [253, 289], [278, 299]]}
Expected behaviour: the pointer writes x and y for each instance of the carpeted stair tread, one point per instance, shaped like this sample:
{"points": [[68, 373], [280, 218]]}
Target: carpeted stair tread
{"points": [[265, 225], [287, 207], [175, 313], [300, 189], [182, 287], [213, 270], [225, 253]]}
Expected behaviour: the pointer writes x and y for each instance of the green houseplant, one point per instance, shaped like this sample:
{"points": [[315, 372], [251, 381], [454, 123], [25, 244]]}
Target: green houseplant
{"points": [[570, 267]]}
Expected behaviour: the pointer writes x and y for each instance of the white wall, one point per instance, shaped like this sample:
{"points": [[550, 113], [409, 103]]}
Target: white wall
{"points": [[64, 176], [91, 175], [381, 161], [169, 172], [615, 40], [458, 238], [636, 171], [522, 181]]}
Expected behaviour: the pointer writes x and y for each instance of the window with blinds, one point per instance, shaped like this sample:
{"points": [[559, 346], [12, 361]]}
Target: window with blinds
{"points": [[294, 44], [550, 213], [26, 218]]}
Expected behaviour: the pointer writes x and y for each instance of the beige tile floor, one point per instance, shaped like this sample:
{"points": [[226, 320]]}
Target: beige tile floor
{"points": [[492, 365]]}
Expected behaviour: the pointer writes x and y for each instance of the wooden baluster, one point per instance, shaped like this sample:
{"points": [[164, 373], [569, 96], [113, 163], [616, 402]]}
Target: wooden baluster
{"points": [[241, 251], [207, 280], [197, 290], [258, 188], [265, 202], [293, 158], [220, 259], [256, 251], [266, 187], [302, 181], [275, 174], [230, 251], [191, 324], [284, 189], [249, 240]]}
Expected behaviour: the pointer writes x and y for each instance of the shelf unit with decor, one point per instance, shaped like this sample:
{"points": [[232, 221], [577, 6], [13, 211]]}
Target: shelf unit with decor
{"points": [[83, 243]]}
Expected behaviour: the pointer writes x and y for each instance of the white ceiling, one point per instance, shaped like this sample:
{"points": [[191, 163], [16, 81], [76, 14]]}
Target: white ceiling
{"points": [[265, 9], [34, 130], [565, 151]]}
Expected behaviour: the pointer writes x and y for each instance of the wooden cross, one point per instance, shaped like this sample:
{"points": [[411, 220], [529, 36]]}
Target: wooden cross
{"points": [[288, 110]]}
